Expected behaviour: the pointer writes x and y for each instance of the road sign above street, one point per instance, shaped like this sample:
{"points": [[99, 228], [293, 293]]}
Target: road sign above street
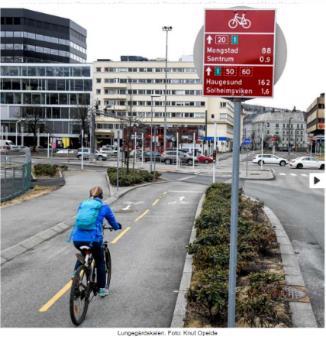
{"points": [[239, 49]]}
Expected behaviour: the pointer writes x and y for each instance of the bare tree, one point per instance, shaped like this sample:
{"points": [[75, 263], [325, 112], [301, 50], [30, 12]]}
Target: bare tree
{"points": [[33, 118]]}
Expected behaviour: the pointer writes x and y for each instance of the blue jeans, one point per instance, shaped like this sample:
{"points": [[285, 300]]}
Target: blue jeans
{"points": [[98, 254]]}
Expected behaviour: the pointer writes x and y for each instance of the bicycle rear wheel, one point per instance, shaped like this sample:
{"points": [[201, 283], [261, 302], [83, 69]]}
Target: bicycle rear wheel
{"points": [[108, 267], [79, 295]]}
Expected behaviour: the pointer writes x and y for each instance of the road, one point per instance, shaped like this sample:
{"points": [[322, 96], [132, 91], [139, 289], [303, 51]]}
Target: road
{"points": [[147, 260], [300, 210], [25, 220]]}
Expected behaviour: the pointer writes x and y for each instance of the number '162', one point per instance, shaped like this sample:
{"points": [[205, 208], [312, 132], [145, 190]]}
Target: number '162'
{"points": [[264, 82]]}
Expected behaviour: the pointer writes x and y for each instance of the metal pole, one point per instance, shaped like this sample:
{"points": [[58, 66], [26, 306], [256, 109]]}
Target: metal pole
{"points": [[92, 137], [214, 152], [262, 144], [82, 150], [48, 155], [135, 149], [166, 29], [22, 134], [142, 150], [177, 153], [234, 214], [118, 159], [193, 151], [289, 144], [151, 146], [17, 132], [155, 147]]}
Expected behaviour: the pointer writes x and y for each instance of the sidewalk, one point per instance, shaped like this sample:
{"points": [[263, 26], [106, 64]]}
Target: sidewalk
{"points": [[26, 219]]}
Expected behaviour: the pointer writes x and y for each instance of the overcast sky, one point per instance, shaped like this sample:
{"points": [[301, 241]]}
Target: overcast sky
{"points": [[134, 27]]}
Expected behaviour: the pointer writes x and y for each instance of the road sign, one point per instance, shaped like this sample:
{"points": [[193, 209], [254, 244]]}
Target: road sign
{"points": [[239, 53], [247, 141]]}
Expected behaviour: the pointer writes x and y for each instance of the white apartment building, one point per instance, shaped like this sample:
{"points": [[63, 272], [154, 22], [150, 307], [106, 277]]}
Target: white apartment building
{"points": [[279, 128], [137, 89]]}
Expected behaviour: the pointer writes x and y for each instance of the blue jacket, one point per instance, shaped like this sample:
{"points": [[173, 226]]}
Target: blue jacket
{"points": [[96, 235]]}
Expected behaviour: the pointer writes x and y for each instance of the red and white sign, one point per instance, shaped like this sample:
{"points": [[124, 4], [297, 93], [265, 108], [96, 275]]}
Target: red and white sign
{"points": [[239, 53]]}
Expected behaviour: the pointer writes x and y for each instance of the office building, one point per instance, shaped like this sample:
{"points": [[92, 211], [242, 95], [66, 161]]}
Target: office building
{"points": [[34, 37], [51, 98], [134, 88]]}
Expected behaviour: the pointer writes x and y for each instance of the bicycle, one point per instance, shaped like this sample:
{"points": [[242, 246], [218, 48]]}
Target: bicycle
{"points": [[84, 285], [239, 20]]}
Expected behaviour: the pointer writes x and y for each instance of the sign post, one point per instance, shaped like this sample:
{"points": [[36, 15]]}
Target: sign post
{"points": [[235, 58]]}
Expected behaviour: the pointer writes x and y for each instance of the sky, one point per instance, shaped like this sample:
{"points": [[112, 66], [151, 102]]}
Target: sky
{"points": [[134, 27]]}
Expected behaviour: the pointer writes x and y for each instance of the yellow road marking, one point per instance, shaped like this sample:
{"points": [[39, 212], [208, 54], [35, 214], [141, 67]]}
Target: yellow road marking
{"points": [[155, 202], [142, 215], [56, 297], [120, 235]]}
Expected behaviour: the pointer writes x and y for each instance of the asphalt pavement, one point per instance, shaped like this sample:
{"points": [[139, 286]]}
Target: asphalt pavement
{"points": [[24, 220], [148, 257]]}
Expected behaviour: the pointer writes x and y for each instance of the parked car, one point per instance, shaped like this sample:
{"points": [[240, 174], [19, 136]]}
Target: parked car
{"points": [[204, 159], [269, 159], [170, 156], [307, 162], [66, 152], [155, 156], [5, 144], [109, 150], [86, 154]]}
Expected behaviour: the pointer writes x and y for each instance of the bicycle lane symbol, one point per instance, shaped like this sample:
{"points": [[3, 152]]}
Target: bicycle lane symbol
{"points": [[238, 20]]}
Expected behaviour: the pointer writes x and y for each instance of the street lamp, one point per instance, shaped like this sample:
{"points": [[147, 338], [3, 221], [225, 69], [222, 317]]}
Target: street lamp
{"points": [[166, 29], [290, 119], [151, 145], [18, 121]]}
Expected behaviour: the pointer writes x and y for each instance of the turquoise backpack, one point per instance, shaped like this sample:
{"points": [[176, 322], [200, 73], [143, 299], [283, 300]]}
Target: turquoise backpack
{"points": [[87, 214]]}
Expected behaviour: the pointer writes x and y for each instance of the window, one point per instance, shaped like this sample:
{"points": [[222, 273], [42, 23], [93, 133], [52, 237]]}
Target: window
{"points": [[98, 69], [223, 104], [98, 80], [98, 91], [212, 116]]}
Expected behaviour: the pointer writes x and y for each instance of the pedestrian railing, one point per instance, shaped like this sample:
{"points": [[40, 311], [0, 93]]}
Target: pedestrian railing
{"points": [[15, 173]]}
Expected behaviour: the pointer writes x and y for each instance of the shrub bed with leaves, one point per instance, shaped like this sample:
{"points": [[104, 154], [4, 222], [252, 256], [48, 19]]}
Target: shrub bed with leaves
{"points": [[260, 278], [49, 170], [134, 176]]}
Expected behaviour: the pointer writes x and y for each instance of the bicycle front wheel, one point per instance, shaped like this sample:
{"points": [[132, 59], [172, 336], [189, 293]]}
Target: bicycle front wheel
{"points": [[79, 295], [108, 267]]}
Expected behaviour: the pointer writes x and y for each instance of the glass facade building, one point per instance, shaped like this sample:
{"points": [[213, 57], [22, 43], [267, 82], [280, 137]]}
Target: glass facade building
{"points": [[55, 94], [34, 37]]}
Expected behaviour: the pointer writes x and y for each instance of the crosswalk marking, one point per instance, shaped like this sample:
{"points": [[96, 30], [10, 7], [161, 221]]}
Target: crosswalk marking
{"points": [[293, 174]]}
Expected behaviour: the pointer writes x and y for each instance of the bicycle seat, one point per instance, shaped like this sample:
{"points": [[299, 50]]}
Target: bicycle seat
{"points": [[85, 248]]}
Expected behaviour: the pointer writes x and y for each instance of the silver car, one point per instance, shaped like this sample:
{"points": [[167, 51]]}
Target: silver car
{"points": [[269, 159]]}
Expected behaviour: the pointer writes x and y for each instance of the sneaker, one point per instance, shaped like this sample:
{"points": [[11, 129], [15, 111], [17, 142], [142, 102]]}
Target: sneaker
{"points": [[102, 292]]}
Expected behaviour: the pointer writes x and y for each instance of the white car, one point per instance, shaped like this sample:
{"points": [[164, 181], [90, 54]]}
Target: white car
{"points": [[66, 152], [269, 159], [307, 162], [87, 152]]}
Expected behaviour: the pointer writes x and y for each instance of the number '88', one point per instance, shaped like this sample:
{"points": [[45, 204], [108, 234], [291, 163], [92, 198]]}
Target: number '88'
{"points": [[266, 50]]}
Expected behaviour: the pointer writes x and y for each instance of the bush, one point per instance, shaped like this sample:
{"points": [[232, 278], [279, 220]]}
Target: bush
{"points": [[135, 176], [210, 250], [45, 169]]}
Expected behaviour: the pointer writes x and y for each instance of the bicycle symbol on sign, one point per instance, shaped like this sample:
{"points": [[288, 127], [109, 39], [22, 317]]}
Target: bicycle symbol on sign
{"points": [[239, 20]]}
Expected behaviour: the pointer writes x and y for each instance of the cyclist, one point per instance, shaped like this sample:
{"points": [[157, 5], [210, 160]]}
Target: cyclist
{"points": [[94, 237]]}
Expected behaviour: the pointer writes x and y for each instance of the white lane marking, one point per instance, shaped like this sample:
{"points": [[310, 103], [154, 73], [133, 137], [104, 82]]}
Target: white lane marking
{"points": [[180, 201], [187, 177], [282, 174], [126, 208], [293, 174], [185, 191], [304, 175]]}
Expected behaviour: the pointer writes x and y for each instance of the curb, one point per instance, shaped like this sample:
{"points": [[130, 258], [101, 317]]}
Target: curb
{"points": [[301, 312], [261, 179], [181, 303], [45, 235]]}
